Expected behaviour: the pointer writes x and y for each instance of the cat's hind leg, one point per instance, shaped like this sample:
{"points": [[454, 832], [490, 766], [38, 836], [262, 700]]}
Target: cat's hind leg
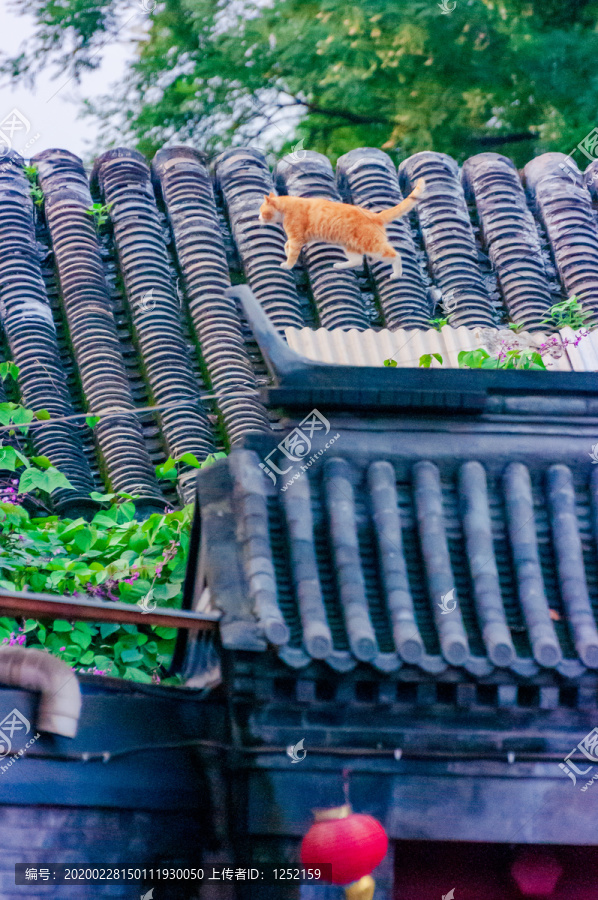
{"points": [[352, 261], [392, 256]]}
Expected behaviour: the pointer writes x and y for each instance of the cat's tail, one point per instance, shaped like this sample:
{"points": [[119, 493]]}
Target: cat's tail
{"points": [[405, 206]]}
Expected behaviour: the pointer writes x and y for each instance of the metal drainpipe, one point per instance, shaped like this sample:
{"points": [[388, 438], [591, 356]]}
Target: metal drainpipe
{"points": [[369, 179], [336, 292], [124, 179], [29, 326], [189, 199], [35, 670], [563, 202], [92, 327], [448, 236]]}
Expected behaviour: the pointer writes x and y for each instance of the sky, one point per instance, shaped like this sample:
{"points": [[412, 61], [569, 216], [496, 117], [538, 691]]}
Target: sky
{"points": [[50, 109]]}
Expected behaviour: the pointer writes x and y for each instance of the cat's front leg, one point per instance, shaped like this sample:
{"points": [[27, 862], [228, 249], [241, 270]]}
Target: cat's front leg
{"points": [[397, 267], [353, 260], [292, 250]]}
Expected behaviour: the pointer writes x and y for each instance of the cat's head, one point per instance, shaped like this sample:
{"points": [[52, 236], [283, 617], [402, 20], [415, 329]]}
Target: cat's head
{"points": [[269, 211]]}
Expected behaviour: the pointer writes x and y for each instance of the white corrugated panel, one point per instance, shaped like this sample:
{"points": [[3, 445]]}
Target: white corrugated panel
{"points": [[584, 357], [406, 347]]}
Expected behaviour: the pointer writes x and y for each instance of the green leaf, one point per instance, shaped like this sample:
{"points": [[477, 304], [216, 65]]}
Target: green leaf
{"points": [[166, 591], [131, 656], [102, 662], [9, 368], [73, 652], [472, 359], [169, 474], [104, 518], [92, 421], [425, 361], [101, 497], [30, 480], [22, 416], [107, 628], [49, 480], [83, 640], [127, 512], [42, 461], [390, 362], [87, 658], [190, 459], [61, 625], [8, 458], [138, 675], [83, 540], [166, 633], [43, 415], [56, 480]]}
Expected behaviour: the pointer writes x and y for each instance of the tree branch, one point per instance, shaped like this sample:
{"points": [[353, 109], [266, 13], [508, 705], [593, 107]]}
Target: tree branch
{"points": [[354, 118]]}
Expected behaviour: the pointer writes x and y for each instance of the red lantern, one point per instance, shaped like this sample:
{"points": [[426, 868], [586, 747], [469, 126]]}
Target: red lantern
{"points": [[354, 844], [536, 873]]}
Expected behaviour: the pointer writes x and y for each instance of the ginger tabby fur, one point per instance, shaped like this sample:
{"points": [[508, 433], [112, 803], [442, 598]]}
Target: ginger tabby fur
{"points": [[359, 231]]}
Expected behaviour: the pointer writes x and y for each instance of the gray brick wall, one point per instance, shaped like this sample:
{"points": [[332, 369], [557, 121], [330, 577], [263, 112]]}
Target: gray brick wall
{"points": [[44, 834]]}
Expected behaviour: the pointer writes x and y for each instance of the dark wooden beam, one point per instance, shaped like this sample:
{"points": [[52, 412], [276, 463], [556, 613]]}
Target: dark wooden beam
{"points": [[47, 606]]}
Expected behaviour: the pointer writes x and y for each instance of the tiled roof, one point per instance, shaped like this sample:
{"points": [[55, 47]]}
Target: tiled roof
{"points": [[138, 316], [409, 544]]}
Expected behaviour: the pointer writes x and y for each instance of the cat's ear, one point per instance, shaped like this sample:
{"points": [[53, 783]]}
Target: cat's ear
{"points": [[271, 196]]}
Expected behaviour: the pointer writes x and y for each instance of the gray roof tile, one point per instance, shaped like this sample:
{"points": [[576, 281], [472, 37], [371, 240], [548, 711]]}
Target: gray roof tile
{"points": [[433, 563]]}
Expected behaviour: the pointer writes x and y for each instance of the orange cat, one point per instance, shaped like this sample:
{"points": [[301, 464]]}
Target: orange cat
{"points": [[359, 231]]}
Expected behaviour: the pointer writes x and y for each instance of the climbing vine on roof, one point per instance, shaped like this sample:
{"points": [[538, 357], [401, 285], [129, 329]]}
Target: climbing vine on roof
{"points": [[113, 557]]}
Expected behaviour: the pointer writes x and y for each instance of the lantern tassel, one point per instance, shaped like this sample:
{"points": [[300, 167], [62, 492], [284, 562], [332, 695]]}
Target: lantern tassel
{"points": [[362, 889]]}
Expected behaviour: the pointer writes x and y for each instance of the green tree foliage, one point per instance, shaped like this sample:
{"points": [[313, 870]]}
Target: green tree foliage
{"points": [[398, 75]]}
